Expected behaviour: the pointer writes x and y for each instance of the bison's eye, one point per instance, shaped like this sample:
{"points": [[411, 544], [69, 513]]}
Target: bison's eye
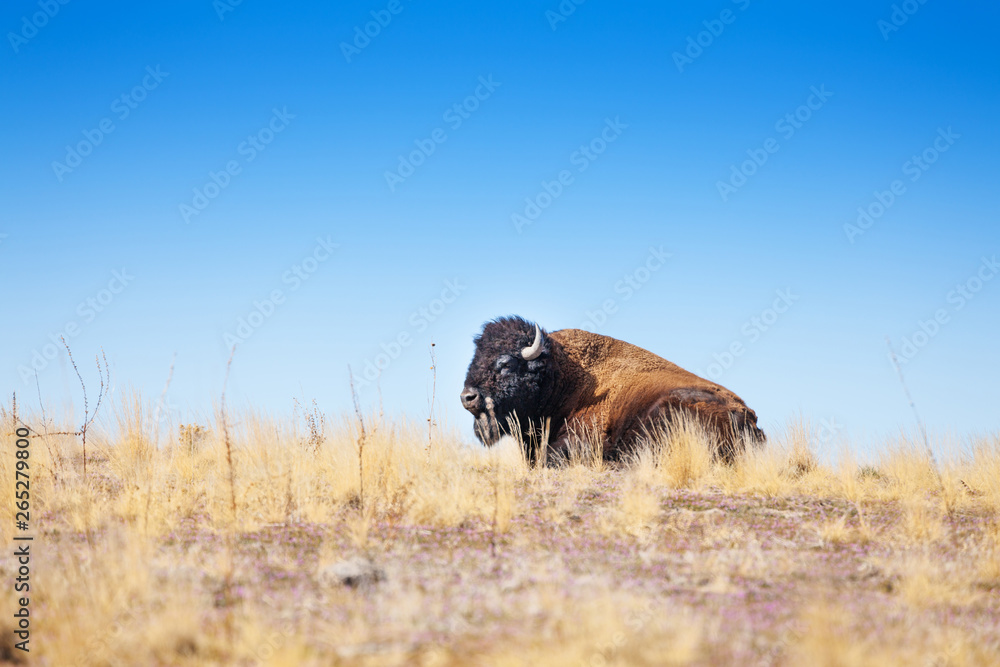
{"points": [[503, 363]]}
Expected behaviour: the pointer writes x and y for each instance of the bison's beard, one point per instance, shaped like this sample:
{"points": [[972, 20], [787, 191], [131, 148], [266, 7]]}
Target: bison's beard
{"points": [[487, 429], [498, 421], [487, 425]]}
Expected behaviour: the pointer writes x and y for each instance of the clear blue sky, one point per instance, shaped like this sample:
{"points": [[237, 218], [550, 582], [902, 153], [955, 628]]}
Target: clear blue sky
{"points": [[693, 168]]}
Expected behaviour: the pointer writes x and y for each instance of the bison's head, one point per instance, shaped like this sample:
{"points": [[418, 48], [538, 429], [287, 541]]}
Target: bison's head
{"points": [[510, 378]]}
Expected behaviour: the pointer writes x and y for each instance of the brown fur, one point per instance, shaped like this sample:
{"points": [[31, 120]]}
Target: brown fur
{"points": [[621, 389]]}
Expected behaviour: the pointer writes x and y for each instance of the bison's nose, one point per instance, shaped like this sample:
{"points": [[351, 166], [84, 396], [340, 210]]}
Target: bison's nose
{"points": [[471, 399]]}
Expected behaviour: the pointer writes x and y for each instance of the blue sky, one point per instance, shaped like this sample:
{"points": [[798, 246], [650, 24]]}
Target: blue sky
{"points": [[759, 192]]}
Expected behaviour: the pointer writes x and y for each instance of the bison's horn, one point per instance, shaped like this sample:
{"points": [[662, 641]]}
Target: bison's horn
{"points": [[535, 350]]}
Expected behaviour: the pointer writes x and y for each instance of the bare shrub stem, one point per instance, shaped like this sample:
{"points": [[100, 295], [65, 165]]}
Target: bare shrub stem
{"points": [[923, 430], [225, 437], [361, 443], [430, 411], [88, 419]]}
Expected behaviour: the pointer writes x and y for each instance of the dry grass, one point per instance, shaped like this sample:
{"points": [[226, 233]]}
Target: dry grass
{"points": [[471, 556]]}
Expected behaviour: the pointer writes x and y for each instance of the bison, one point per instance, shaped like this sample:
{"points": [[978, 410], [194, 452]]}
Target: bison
{"points": [[522, 376]]}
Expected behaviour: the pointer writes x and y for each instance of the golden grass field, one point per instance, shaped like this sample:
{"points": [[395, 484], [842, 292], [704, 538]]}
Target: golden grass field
{"points": [[266, 540]]}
